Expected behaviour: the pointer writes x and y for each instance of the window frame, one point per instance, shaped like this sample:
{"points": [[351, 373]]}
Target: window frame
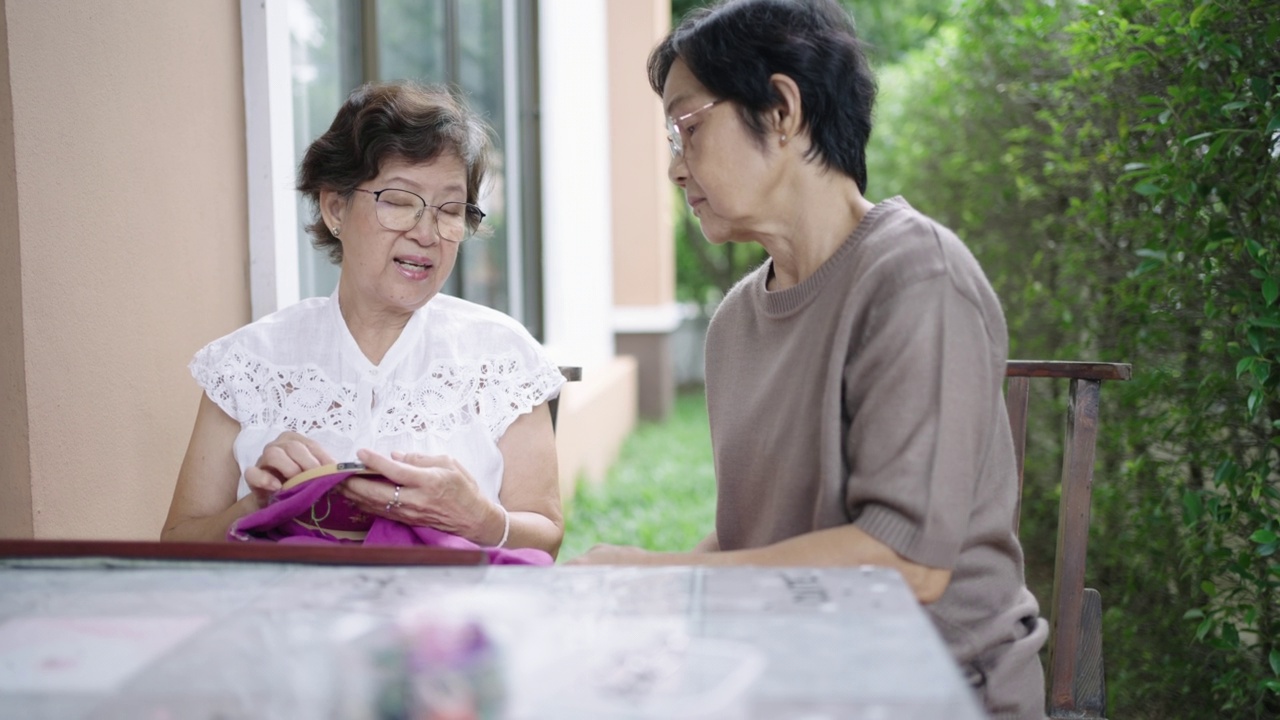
{"points": [[274, 256]]}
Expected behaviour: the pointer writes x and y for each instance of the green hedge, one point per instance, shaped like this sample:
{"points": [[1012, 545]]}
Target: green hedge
{"points": [[1114, 166]]}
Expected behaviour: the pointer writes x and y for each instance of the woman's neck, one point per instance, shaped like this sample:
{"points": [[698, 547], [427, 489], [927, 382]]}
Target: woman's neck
{"points": [[374, 330], [823, 211]]}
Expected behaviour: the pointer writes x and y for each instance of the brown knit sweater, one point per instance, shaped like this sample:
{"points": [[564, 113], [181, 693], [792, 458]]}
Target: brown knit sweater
{"points": [[871, 393]]}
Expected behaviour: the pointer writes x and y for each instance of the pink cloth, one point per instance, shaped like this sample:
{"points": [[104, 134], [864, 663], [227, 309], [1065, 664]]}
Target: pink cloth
{"points": [[283, 517]]}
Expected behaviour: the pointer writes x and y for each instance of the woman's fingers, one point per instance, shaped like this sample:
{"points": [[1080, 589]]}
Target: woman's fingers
{"points": [[604, 554], [375, 492], [422, 459], [375, 496], [435, 491], [307, 453], [284, 457], [379, 463], [261, 480]]}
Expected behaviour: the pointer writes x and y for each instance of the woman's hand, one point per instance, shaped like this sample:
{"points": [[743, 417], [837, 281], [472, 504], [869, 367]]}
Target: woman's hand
{"points": [[435, 491], [281, 459], [622, 555]]}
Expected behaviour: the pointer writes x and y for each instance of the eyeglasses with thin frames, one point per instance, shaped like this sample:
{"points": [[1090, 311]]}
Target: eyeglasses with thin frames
{"points": [[674, 138], [400, 210]]}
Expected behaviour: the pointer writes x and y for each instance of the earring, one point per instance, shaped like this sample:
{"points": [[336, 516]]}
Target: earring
{"points": [[337, 230], [784, 139]]}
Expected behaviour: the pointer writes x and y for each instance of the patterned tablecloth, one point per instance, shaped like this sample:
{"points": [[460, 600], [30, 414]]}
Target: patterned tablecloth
{"points": [[144, 640]]}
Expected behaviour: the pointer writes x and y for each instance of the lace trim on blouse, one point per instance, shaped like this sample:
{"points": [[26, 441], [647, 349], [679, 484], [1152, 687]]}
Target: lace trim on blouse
{"points": [[495, 390]]}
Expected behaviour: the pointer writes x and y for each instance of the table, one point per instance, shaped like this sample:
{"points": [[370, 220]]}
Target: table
{"points": [[112, 638]]}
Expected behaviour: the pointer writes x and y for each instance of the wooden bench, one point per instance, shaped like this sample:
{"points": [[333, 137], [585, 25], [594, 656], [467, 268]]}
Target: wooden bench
{"points": [[1075, 682]]}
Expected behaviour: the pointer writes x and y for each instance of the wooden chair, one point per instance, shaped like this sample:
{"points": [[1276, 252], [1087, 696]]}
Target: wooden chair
{"points": [[1075, 682], [571, 373]]}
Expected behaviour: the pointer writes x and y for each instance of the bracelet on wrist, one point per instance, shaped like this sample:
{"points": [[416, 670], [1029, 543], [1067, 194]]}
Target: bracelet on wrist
{"points": [[506, 527]]}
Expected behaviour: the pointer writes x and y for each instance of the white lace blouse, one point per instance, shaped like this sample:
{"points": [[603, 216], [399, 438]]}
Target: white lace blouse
{"points": [[456, 378]]}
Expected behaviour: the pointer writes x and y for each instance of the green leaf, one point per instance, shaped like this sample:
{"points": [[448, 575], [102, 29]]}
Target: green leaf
{"points": [[1226, 470], [1194, 20], [1192, 505], [1261, 370], [1205, 626], [1145, 267], [1261, 88], [1193, 614], [1255, 249], [1274, 125], [1147, 188], [1270, 290], [1230, 636], [1263, 536], [1255, 400], [1270, 548], [1243, 366], [1275, 661], [1209, 588], [1234, 105], [1215, 148], [1264, 322]]}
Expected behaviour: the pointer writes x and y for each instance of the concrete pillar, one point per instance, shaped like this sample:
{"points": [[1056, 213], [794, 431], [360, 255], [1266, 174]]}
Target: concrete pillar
{"points": [[645, 313]]}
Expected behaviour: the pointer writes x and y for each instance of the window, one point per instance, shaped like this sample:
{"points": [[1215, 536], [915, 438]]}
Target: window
{"points": [[485, 48]]}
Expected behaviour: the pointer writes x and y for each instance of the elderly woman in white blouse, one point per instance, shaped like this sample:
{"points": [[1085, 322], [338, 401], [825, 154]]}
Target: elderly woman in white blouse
{"points": [[445, 399]]}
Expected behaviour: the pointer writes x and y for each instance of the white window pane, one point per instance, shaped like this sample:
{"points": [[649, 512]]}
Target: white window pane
{"points": [[324, 50]]}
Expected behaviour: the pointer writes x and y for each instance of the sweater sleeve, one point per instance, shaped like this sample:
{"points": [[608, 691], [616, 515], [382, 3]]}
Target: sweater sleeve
{"points": [[918, 394]]}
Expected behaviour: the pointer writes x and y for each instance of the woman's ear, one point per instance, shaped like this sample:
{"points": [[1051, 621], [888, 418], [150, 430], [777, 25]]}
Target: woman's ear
{"points": [[787, 116], [332, 208]]}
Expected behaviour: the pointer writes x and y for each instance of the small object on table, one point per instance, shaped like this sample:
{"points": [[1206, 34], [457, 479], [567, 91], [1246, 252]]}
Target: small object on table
{"points": [[435, 671]]}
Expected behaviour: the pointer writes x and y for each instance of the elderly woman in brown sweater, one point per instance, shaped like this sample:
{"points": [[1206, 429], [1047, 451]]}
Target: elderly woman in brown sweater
{"points": [[854, 379]]}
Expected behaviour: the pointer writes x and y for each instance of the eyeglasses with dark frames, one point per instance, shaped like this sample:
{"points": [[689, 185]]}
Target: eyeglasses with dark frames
{"points": [[673, 129], [401, 210]]}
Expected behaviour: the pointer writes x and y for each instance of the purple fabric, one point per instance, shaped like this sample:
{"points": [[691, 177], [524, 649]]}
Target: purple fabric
{"points": [[275, 523]]}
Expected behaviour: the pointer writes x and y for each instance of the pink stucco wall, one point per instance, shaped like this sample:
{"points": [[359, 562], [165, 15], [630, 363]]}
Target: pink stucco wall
{"points": [[123, 198]]}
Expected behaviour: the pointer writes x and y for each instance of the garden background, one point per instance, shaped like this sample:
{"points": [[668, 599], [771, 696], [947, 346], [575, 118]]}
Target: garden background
{"points": [[1115, 167]]}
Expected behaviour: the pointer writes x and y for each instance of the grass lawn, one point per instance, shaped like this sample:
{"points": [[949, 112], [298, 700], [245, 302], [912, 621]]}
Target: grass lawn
{"points": [[659, 495]]}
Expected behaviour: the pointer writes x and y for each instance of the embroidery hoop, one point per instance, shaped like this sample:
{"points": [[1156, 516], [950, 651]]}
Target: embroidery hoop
{"points": [[354, 468], [351, 469]]}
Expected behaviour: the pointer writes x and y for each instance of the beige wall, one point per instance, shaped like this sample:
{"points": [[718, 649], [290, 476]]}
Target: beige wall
{"points": [[643, 249], [128, 151], [596, 415], [15, 456]]}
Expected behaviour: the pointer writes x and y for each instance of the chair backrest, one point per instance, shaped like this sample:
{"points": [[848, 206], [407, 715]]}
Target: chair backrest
{"points": [[1075, 683], [571, 373]]}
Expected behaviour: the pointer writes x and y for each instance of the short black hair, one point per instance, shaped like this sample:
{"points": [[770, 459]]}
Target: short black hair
{"points": [[401, 120], [733, 47]]}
